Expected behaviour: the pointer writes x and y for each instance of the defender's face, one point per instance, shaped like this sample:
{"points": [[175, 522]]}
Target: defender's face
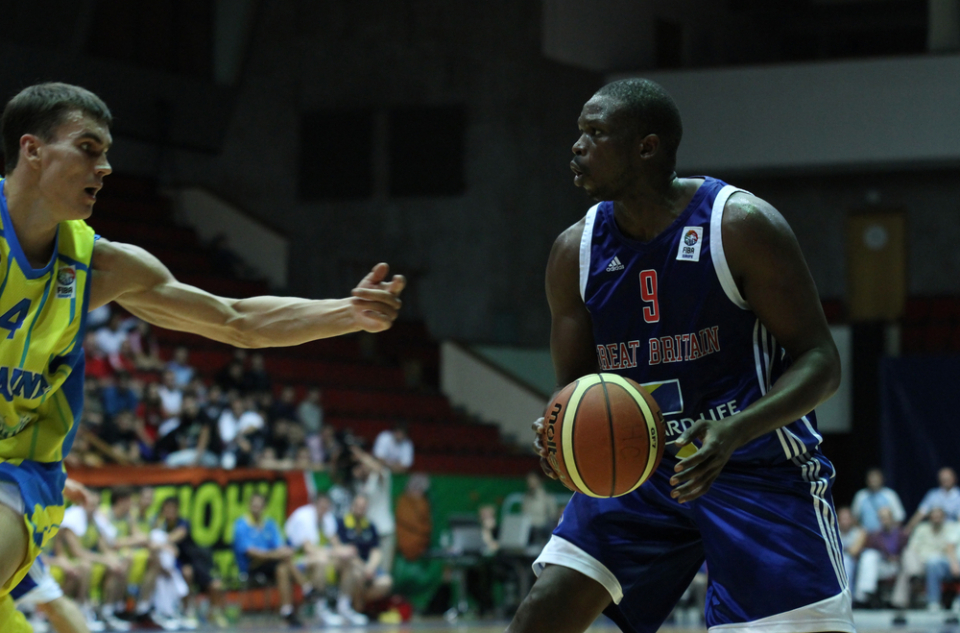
{"points": [[605, 159], [73, 166]]}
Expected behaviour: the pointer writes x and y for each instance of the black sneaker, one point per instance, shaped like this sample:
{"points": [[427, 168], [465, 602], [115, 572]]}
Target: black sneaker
{"points": [[293, 620], [147, 622]]}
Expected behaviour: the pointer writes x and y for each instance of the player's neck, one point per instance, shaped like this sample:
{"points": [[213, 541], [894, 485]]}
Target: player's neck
{"points": [[650, 207], [33, 222]]}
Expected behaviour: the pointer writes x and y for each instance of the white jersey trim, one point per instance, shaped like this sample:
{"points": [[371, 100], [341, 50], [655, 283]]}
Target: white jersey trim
{"points": [[716, 248], [559, 551], [586, 242], [831, 614], [46, 590]]}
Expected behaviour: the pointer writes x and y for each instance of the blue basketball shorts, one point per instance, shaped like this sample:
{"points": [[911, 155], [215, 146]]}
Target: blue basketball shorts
{"points": [[768, 535]]}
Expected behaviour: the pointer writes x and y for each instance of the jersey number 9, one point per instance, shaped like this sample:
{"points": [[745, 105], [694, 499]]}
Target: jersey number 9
{"points": [[648, 292]]}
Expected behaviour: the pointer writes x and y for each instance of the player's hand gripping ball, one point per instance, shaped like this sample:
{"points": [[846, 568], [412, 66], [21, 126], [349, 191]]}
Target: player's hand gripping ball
{"points": [[603, 435]]}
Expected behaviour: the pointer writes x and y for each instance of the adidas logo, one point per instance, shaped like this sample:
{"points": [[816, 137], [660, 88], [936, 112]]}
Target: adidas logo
{"points": [[614, 265]]}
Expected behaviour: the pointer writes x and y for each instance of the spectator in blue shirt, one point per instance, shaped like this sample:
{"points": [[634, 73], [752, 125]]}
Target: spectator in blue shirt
{"points": [[262, 555], [371, 581], [868, 501], [119, 396], [945, 496]]}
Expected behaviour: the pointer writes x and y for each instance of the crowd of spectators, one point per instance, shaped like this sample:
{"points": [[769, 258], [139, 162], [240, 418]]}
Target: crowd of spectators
{"points": [[890, 563], [140, 409]]}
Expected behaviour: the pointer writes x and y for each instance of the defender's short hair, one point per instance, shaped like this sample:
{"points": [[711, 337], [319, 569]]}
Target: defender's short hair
{"points": [[653, 110], [39, 109]]}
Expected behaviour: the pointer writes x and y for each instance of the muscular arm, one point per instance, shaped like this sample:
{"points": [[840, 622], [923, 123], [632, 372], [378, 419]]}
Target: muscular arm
{"points": [[774, 280], [571, 330], [139, 282]]}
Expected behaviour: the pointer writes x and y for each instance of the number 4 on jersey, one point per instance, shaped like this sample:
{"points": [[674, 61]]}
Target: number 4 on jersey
{"points": [[648, 292], [13, 318]]}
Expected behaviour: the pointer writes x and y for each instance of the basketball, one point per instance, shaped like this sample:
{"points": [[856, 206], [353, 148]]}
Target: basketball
{"points": [[604, 435]]}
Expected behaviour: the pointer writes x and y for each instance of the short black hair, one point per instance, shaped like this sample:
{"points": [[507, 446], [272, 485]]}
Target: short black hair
{"points": [[653, 110], [120, 494], [175, 500], [40, 109]]}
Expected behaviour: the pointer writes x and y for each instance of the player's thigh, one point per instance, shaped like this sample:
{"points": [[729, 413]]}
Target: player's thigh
{"points": [[643, 548], [65, 615], [561, 601], [773, 547], [13, 545]]}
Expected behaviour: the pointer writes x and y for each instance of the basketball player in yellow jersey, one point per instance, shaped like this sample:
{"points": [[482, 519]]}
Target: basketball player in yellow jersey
{"points": [[53, 271]]}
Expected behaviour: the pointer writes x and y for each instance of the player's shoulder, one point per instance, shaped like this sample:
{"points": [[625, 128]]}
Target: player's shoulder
{"points": [[745, 211]]}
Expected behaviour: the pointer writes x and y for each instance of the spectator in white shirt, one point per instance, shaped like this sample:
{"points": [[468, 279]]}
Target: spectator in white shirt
{"points": [[868, 501], [394, 448], [171, 396], [946, 496], [237, 426], [112, 336], [931, 551], [312, 530], [373, 479]]}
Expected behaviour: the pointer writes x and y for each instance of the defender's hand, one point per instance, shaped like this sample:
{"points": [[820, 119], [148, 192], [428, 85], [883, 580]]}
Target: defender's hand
{"points": [[376, 302], [695, 474], [541, 450]]}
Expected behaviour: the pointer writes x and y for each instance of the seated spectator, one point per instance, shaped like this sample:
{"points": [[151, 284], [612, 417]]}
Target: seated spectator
{"points": [[373, 479], [124, 359], [96, 363], [880, 558], [151, 409], [284, 407], [413, 517], [128, 438], [541, 508], [946, 496], [144, 347], [133, 546], [255, 379], [240, 431], [330, 447], [374, 582], [192, 439], [394, 448], [196, 563], [310, 415], [852, 537], [171, 396], [179, 365], [145, 513], [230, 378], [118, 394], [312, 530], [110, 337], [261, 555], [215, 402], [930, 552], [868, 501], [480, 577]]}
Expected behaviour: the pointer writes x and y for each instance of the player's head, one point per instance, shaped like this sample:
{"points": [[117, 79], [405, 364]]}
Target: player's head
{"points": [[630, 129], [257, 503], [322, 503], [60, 134], [170, 509], [359, 506], [874, 479], [885, 514], [947, 478], [845, 518], [121, 500]]}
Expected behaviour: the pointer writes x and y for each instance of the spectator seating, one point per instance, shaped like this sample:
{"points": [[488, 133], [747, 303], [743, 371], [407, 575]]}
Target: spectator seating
{"points": [[363, 390]]}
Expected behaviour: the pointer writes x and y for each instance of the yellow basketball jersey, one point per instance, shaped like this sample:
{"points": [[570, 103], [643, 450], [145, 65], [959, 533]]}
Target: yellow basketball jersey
{"points": [[42, 317]]}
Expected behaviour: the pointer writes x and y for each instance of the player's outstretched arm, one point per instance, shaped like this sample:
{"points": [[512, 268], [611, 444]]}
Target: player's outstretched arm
{"points": [[772, 277], [571, 330], [139, 282]]}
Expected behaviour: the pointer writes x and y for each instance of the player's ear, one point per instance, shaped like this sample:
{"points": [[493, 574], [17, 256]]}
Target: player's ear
{"points": [[30, 149], [649, 146]]}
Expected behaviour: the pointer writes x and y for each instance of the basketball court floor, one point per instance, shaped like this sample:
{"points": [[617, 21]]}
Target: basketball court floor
{"points": [[866, 622]]}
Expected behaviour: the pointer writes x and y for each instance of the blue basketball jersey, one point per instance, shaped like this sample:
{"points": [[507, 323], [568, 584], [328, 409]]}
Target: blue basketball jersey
{"points": [[668, 315]]}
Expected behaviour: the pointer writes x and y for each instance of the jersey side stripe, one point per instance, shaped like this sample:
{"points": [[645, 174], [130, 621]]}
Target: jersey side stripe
{"points": [[716, 248], [586, 242]]}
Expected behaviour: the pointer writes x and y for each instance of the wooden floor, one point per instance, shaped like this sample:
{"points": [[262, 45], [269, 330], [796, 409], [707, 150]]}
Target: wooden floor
{"points": [[866, 622]]}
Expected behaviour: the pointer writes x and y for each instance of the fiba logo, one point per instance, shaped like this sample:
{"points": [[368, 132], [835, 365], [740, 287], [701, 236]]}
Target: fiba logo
{"points": [[689, 247], [66, 283], [691, 238]]}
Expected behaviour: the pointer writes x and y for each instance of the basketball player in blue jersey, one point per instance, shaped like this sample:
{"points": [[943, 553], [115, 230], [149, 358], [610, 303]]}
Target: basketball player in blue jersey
{"points": [[698, 291], [54, 270]]}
